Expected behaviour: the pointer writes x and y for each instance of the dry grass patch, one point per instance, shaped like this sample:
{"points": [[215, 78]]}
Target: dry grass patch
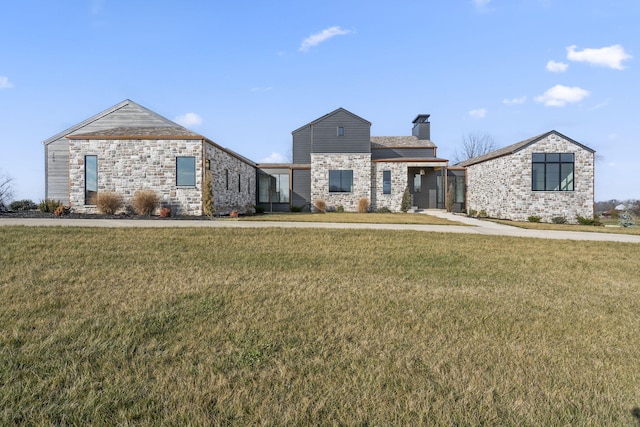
{"points": [[352, 217], [570, 227], [245, 327]]}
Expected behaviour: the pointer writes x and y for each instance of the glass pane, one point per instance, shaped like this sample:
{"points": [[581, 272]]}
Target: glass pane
{"points": [[90, 179], [537, 177], [459, 190], [566, 157], [417, 183], [264, 184], [552, 182], [538, 157], [386, 182], [566, 177], [186, 171], [282, 187], [347, 181], [334, 181]]}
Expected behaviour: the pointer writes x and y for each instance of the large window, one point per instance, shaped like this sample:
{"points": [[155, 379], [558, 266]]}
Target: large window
{"points": [[273, 188], [386, 182], [341, 181], [185, 171], [552, 172], [90, 179]]}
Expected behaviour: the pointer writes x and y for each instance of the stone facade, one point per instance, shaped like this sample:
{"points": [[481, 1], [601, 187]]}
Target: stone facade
{"points": [[126, 166], [359, 163], [502, 186], [399, 176], [233, 181]]}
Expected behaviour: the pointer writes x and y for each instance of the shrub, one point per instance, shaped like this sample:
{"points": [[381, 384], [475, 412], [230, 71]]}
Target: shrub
{"points": [[340, 209], [473, 212], [145, 202], [320, 205], [61, 210], [383, 209], [588, 221], [165, 212], [363, 205], [406, 200], [208, 207], [295, 208], [260, 209], [108, 202], [22, 205], [558, 220], [49, 205], [534, 218], [625, 220], [233, 214], [482, 213]]}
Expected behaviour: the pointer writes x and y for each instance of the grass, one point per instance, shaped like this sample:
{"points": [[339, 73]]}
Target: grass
{"points": [[572, 227], [352, 327], [352, 217]]}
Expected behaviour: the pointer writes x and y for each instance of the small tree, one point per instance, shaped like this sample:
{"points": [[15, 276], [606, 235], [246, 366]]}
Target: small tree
{"points": [[406, 200], [6, 189], [474, 144], [207, 196], [625, 219]]}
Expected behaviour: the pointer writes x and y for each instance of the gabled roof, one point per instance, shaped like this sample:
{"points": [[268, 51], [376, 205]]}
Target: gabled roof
{"points": [[510, 149], [125, 103], [338, 110], [400, 142], [154, 132]]}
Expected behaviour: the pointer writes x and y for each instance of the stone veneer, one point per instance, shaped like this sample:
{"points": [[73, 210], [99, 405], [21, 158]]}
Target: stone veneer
{"points": [[399, 176], [126, 166], [502, 186], [359, 163]]}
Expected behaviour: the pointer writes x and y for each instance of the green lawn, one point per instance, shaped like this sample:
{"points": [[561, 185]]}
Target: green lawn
{"points": [[308, 327], [350, 217]]}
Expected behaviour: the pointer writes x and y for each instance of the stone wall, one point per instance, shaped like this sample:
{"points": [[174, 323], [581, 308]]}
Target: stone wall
{"points": [[127, 166], [359, 163], [227, 195], [502, 186], [399, 176]]}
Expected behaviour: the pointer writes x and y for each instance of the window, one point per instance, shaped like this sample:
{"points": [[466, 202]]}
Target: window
{"points": [[417, 183], [226, 179], [340, 131], [459, 185], [340, 181], [386, 182], [273, 188], [185, 171], [239, 189], [90, 179], [552, 172]]}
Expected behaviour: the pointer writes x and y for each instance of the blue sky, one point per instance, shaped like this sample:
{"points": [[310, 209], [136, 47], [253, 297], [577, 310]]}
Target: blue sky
{"points": [[247, 73]]}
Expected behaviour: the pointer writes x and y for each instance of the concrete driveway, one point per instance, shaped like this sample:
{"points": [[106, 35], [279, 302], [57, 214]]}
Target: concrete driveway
{"points": [[474, 226]]}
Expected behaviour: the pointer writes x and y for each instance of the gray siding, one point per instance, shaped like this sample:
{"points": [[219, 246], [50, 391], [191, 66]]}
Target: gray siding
{"points": [[396, 153], [127, 116], [57, 171], [302, 146], [356, 139], [301, 188]]}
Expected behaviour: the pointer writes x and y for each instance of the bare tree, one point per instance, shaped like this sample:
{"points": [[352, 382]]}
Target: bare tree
{"points": [[474, 144], [6, 189]]}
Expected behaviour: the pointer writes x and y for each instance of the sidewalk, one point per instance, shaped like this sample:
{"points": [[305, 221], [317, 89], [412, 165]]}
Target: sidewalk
{"points": [[475, 226]]}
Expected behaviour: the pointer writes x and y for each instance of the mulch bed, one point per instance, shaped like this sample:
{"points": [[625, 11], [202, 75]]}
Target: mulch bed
{"points": [[38, 214]]}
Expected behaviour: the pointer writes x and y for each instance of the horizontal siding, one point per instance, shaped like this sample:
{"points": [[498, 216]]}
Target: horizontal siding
{"points": [[301, 188], [356, 139], [397, 153], [127, 116]]}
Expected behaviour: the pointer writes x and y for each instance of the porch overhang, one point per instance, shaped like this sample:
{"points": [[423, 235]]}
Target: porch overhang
{"points": [[441, 164]]}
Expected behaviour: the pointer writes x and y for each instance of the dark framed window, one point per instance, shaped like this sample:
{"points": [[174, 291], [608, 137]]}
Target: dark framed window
{"points": [[340, 131], [340, 181], [226, 179], [386, 182], [185, 171], [273, 188], [239, 189], [90, 179], [552, 171], [459, 189]]}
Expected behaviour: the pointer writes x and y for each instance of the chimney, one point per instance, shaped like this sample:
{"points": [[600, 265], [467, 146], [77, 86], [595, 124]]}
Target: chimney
{"points": [[422, 127]]}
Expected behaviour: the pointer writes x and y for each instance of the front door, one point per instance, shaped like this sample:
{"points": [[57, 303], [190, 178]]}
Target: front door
{"points": [[426, 188]]}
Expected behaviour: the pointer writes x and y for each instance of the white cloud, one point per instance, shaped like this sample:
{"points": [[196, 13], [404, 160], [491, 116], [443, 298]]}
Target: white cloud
{"points": [[5, 83], [515, 101], [480, 113], [322, 36], [559, 96], [274, 158], [261, 89], [480, 4], [557, 67], [611, 56], [189, 119]]}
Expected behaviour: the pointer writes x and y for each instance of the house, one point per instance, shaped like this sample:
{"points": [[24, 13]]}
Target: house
{"points": [[128, 148], [549, 176]]}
